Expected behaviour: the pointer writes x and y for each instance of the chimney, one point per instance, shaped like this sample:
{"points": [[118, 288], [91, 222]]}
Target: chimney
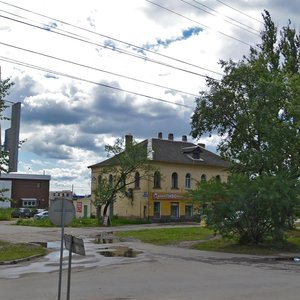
{"points": [[201, 145], [160, 135], [170, 136], [184, 138], [128, 141]]}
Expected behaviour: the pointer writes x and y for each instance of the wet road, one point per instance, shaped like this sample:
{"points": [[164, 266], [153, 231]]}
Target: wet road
{"points": [[160, 273]]}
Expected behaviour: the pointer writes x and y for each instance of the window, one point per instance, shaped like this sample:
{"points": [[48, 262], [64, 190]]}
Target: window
{"points": [[203, 177], [174, 181], [188, 181], [188, 211], [196, 155], [123, 181], [218, 178], [156, 180], [99, 179], [156, 210], [110, 180], [175, 210], [29, 203], [137, 180]]}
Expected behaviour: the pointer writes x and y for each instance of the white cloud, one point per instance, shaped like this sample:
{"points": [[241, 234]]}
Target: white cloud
{"points": [[66, 121]]}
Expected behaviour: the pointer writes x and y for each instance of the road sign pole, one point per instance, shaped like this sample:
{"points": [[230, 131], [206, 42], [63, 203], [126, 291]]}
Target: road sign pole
{"points": [[61, 248], [69, 268]]}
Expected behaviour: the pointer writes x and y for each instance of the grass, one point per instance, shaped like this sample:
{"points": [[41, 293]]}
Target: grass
{"points": [[231, 246], [14, 251], [78, 222], [175, 235], [168, 235], [5, 214]]}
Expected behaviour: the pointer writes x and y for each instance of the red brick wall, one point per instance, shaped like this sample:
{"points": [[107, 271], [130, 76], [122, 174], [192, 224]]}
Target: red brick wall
{"points": [[26, 188]]}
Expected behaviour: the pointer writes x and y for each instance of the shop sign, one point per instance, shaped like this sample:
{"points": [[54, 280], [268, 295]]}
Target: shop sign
{"points": [[167, 196]]}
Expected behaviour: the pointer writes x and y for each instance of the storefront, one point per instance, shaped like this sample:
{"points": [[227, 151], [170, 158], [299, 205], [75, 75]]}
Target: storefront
{"points": [[170, 206]]}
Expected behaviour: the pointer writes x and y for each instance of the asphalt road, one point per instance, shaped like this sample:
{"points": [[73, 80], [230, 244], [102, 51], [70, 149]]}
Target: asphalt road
{"points": [[156, 273]]}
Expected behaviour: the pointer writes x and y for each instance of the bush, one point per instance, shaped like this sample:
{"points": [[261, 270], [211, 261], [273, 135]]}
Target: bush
{"points": [[5, 214], [251, 210]]}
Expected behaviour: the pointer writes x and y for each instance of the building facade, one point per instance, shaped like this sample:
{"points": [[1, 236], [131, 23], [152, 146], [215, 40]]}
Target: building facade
{"points": [[180, 166], [66, 194], [26, 190]]}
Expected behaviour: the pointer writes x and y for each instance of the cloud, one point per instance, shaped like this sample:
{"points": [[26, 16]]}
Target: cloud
{"points": [[186, 33]]}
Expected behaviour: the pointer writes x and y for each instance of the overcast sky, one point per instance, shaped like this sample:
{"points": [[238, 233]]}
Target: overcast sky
{"points": [[88, 72]]}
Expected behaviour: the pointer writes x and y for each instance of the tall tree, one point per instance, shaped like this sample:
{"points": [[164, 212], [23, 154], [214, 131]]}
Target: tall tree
{"points": [[255, 107], [255, 110], [118, 173], [5, 85]]}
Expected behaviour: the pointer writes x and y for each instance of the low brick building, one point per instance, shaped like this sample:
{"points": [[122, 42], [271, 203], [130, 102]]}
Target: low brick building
{"points": [[26, 190]]}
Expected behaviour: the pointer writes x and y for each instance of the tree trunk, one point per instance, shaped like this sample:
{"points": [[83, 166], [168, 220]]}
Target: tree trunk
{"points": [[98, 214], [106, 218]]}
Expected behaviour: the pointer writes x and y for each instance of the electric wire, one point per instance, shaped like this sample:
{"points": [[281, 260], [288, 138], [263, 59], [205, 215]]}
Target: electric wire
{"points": [[232, 19], [20, 63], [114, 39], [197, 7], [112, 48], [240, 11], [97, 69], [194, 21]]}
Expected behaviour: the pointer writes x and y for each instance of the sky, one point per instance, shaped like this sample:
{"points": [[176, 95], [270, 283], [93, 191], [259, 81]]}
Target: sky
{"points": [[89, 72]]}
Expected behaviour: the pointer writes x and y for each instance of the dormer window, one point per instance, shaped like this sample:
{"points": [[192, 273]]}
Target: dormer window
{"points": [[196, 154], [193, 152]]}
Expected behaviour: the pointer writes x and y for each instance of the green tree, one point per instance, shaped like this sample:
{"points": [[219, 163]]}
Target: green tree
{"points": [[250, 210], [5, 85], [255, 110], [255, 107], [118, 174]]}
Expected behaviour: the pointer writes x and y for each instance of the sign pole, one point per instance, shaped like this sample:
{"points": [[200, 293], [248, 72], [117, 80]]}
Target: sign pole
{"points": [[69, 268], [61, 248]]}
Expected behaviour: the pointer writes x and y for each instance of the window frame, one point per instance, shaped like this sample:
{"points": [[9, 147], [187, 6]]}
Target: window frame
{"points": [[174, 180]]}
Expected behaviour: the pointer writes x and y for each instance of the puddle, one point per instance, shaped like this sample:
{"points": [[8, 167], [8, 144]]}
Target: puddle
{"points": [[96, 256], [294, 259], [106, 238], [119, 251]]}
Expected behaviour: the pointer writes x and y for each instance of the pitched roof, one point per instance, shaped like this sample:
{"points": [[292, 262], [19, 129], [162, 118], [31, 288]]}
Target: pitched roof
{"points": [[179, 152], [184, 153]]}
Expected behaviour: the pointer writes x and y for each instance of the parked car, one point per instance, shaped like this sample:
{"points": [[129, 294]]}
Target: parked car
{"points": [[21, 212], [41, 215]]}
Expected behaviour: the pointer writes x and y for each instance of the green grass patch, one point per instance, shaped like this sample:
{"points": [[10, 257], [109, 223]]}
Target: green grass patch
{"points": [[35, 222], [291, 245], [165, 236], [79, 222], [5, 214], [12, 251], [118, 221]]}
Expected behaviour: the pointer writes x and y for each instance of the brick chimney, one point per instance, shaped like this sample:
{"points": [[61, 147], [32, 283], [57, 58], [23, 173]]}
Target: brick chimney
{"points": [[128, 140], [170, 137]]}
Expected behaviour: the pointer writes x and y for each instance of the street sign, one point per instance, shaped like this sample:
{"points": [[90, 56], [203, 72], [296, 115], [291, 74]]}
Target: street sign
{"points": [[74, 244], [61, 210]]}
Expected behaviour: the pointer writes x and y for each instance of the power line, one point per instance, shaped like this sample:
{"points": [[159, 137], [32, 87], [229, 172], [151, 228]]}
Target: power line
{"points": [[16, 62], [197, 7], [82, 39], [114, 39], [97, 69], [194, 21], [232, 19], [240, 11]]}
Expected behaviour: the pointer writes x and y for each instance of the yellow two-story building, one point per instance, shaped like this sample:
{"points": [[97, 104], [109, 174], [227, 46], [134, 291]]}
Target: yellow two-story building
{"points": [[179, 165]]}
